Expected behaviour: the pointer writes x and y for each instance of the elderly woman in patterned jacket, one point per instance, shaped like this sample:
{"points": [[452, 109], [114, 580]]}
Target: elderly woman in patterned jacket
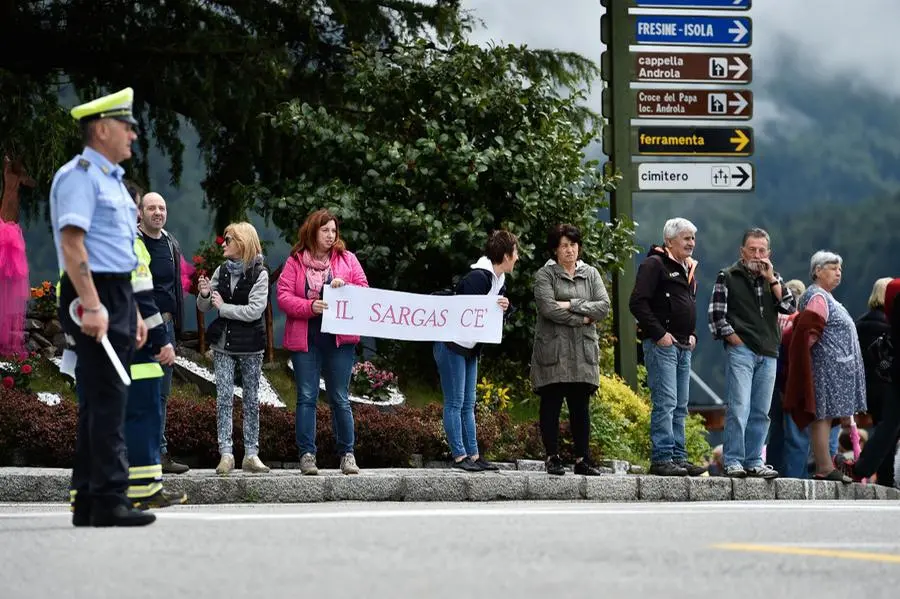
{"points": [[838, 374]]}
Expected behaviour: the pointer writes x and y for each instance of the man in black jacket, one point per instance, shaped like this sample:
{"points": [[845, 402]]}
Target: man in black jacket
{"points": [[165, 265], [664, 304]]}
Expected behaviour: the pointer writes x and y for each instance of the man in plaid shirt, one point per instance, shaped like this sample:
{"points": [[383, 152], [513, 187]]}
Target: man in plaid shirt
{"points": [[743, 313]]}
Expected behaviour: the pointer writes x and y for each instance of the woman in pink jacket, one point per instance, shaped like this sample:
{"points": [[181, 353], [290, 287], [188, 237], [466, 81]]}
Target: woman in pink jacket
{"points": [[319, 258]]}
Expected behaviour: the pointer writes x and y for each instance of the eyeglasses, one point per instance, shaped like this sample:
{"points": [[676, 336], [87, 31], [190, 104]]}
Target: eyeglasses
{"points": [[228, 239]]}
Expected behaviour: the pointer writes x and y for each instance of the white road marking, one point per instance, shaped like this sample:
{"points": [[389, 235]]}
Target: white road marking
{"points": [[224, 513]]}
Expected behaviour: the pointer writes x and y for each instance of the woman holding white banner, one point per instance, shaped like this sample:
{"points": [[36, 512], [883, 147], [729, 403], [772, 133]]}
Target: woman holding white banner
{"points": [[318, 259], [571, 298], [457, 363]]}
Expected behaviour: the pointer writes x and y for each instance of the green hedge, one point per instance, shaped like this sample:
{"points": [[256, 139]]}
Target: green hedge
{"points": [[41, 435]]}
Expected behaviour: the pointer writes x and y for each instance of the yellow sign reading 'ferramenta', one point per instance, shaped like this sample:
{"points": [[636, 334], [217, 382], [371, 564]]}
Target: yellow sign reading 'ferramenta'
{"points": [[704, 141]]}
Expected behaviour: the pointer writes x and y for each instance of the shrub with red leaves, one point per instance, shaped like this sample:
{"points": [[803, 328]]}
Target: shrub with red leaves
{"points": [[33, 433], [36, 434]]}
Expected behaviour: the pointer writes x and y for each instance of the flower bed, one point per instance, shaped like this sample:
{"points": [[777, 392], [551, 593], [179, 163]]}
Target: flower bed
{"points": [[267, 394], [389, 396]]}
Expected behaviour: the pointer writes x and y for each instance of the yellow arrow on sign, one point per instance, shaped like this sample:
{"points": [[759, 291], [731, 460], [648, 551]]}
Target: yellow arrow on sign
{"points": [[741, 139]]}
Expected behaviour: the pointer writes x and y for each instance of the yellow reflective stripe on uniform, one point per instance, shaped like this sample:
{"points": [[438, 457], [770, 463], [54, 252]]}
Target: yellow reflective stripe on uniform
{"points": [[140, 472], [146, 370], [141, 279], [143, 491], [153, 321]]}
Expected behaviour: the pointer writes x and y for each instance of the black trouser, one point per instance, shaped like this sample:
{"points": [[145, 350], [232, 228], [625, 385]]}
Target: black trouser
{"points": [[100, 471], [577, 397], [878, 454]]}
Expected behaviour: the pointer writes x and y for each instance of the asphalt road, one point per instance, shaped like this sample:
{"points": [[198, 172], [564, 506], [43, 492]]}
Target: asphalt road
{"points": [[433, 551]]}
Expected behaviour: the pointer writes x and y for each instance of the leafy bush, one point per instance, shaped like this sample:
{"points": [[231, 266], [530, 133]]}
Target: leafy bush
{"points": [[35, 433], [43, 435], [511, 374], [620, 425]]}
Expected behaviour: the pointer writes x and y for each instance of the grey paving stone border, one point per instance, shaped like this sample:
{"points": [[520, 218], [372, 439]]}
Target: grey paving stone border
{"points": [[287, 486]]}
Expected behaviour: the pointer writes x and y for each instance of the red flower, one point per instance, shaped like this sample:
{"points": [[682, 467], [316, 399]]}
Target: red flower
{"points": [[8, 382], [198, 259], [220, 240], [26, 368], [34, 354]]}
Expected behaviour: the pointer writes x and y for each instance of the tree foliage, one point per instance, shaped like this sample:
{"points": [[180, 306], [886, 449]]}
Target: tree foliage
{"points": [[216, 63], [434, 148]]}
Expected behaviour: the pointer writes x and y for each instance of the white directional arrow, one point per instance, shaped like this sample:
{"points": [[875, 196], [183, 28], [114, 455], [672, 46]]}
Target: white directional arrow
{"points": [[738, 30], [738, 101], [740, 67]]}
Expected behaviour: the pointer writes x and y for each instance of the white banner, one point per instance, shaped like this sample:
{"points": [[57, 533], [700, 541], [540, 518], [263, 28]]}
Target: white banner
{"points": [[388, 314]]}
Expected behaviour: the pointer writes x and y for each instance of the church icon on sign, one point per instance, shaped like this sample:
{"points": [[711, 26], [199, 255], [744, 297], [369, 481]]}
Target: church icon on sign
{"points": [[718, 67], [717, 103], [720, 175]]}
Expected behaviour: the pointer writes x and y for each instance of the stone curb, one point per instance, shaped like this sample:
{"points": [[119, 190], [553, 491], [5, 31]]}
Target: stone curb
{"points": [[287, 486]]}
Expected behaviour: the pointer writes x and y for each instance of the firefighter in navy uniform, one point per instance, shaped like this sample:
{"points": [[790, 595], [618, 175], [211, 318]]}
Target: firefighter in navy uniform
{"points": [[94, 224], [143, 415]]}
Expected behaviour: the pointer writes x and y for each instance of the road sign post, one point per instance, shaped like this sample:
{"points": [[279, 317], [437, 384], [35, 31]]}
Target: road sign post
{"points": [[693, 4], [693, 176], [690, 67], [677, 30], [692, 141], [693, 104], [616, 35], [619, 31]]}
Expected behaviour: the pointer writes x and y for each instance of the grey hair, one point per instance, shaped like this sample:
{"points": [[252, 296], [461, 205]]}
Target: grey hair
{"points": [[756, 233], [676, 226], [821, 259]]}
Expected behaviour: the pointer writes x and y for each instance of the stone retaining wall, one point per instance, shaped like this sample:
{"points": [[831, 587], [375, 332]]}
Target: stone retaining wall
{"points": [[288, 486]]}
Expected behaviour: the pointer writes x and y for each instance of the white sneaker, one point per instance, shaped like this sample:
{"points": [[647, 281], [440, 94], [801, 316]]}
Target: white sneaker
{"points": [[226, 464], [308, 464], [253, 464], [348, 464]]}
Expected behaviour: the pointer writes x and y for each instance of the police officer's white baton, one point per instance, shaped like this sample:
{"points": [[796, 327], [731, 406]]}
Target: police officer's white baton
{"points": [[75, 312]]}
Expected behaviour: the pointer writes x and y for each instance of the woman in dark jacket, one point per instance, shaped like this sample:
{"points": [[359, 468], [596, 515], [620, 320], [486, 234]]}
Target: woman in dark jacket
{"points": [[457, 363], [869, 327]]}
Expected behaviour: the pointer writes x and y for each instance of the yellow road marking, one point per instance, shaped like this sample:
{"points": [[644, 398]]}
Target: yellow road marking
{"points": [[865, 556]]}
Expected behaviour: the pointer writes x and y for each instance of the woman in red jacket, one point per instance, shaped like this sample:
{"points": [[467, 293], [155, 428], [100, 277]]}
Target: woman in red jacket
{"points": [[319, 258]]}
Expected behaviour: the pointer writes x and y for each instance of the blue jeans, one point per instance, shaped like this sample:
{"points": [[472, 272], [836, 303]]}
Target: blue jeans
{"points": [[788, 448], [459, 376], [750, 380], [335, 364], [165, 390], [669, 379]]}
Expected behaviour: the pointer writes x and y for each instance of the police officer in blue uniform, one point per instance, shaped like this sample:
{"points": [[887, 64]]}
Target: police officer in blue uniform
{"points": [[94, 223]]}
